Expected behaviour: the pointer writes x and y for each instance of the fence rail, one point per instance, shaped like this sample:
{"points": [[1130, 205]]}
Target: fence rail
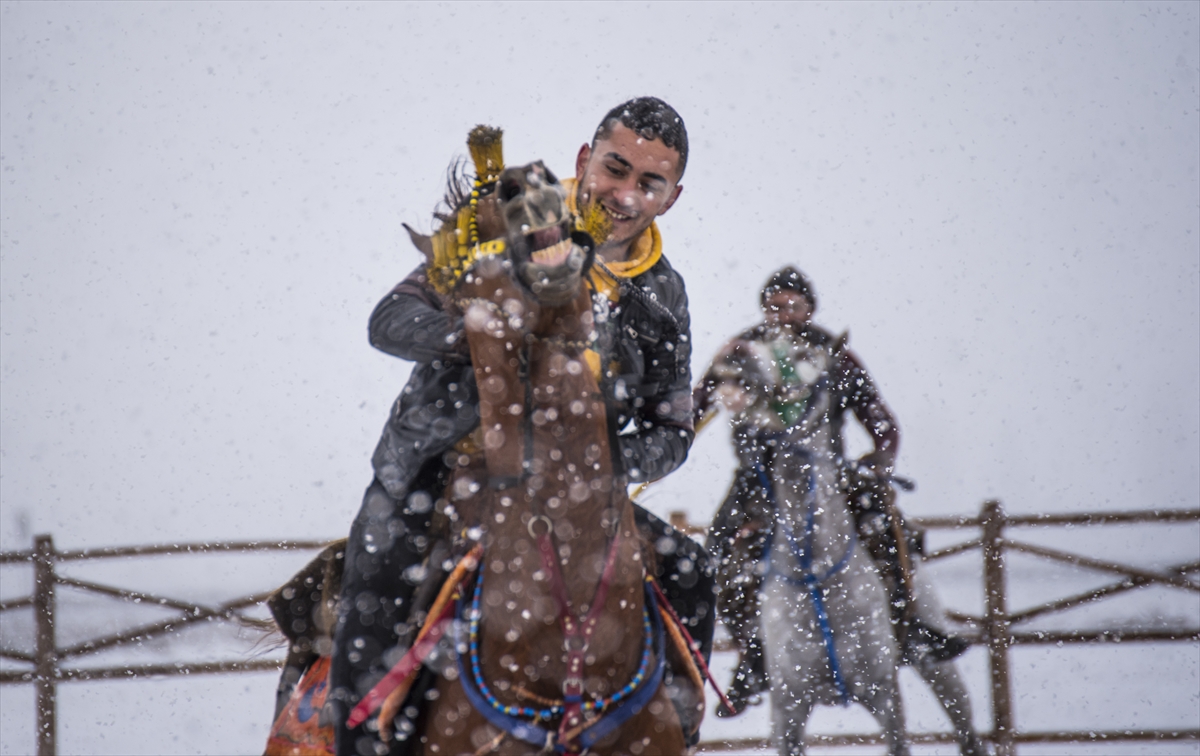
{"points": [[994, 629], [47, 659]]}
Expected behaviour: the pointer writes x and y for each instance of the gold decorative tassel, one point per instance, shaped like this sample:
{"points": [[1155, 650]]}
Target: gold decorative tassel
{"points": [[456, 244], [487, 150], [595, 222]]}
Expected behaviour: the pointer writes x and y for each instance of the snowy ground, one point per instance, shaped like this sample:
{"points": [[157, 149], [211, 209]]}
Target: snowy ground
{"points": [[1144, 686], [1131, 685]]}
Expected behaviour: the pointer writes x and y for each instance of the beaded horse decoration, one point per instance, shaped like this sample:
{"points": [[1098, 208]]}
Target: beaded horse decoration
{"points": [[551, 251]]}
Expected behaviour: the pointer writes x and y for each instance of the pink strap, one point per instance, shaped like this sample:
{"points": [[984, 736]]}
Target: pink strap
{"points": [[559, 591], [406, 666], [576, 635], [693, 645]]}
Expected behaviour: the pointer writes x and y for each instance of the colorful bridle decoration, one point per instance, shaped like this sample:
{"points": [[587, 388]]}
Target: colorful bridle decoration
{"points": [[451, 260], [456, 246], [556, 708]]}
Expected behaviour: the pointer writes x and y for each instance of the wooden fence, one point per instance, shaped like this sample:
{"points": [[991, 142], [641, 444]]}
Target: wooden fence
{"points": [[48, 661], [998, 628]]}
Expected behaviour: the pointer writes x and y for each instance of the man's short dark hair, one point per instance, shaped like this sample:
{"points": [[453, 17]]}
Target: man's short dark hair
{"points": [[789, 279], [649, 118]]}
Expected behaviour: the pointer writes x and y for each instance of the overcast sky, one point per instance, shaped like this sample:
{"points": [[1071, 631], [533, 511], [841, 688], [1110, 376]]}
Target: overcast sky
{"points": [[201, 203]]}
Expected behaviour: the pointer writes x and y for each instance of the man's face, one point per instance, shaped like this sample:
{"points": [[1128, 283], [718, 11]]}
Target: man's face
{"points": [[630, 179], [789, 308]]}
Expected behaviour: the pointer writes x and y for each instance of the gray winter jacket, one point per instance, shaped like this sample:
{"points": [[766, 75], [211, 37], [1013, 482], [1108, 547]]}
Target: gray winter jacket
{"points": [[645, 336]]}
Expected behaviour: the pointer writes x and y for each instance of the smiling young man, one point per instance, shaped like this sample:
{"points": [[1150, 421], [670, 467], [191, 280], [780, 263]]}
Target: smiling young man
{"points": [[631, 177], [630, 174]]}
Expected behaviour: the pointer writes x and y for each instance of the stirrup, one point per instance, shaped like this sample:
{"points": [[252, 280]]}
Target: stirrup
{"points": [[749, 681], [919, 639]]}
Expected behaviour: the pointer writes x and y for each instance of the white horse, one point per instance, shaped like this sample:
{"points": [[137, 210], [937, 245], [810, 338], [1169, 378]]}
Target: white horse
{"points": [[825, 614], [828, 633]]}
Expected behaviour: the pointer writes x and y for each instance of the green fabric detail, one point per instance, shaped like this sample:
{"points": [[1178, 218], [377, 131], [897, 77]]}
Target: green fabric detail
{"points": [[788, 412]]}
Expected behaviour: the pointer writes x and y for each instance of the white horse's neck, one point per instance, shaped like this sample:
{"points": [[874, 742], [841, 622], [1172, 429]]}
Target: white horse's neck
{"points": [[814, 526]]}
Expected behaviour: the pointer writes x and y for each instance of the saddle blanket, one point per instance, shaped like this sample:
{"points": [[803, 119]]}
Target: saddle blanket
{"points": [[299, 731]]}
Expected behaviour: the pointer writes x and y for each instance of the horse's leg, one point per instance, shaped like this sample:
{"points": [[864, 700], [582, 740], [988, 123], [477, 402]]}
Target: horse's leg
{"points": [[943, 677], [790, 711], [788, 634], [452, 726], [868, 655], [883, 701], [951, 692], [653, 731], [878, 658]]}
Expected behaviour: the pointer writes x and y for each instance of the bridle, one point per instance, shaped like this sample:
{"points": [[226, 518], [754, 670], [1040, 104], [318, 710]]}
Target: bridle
{"points": [[802, 553]]}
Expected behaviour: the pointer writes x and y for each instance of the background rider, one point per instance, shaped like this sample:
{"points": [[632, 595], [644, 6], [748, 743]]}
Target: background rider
{"points": [[738, 530]]}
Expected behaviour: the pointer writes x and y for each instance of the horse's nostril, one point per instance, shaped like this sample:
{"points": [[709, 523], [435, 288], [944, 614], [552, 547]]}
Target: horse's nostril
{"points": [[509, 189]]}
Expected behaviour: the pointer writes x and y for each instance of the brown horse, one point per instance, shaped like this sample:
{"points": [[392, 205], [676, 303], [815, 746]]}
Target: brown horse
{"points": [[562, 640]]}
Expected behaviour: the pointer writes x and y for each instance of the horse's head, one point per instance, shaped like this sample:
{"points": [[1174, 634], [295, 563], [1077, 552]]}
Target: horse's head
{"points": [[519, 215], [510, 257], [548, 254], [742, 375]]}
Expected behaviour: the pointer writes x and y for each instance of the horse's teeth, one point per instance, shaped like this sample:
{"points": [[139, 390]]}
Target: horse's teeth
{"points": [[552, 255]]}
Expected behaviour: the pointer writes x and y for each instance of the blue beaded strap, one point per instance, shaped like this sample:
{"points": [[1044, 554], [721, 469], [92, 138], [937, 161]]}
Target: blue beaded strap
{"points": [[555, 710], [532, 733]]}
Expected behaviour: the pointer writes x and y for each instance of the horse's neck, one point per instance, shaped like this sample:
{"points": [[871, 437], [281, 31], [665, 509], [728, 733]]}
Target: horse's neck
{"points": [[810, 505], [562, 392], [544, 426]]}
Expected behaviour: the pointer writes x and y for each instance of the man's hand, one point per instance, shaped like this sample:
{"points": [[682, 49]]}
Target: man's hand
{"points": [[880, 463]]}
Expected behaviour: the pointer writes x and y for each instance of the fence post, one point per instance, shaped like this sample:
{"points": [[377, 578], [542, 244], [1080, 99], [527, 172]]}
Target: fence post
{"points": [[679, 521], [46, 659], [996, 630]]}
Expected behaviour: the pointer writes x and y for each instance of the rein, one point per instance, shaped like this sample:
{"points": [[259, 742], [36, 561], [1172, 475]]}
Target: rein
{"points": [[808, 578]]}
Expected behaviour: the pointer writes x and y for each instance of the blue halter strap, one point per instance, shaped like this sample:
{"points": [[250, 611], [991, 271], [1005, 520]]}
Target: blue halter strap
{"points": [[808, 579]]}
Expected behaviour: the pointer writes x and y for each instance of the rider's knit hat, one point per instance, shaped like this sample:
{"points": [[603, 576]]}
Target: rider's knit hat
{"points": [[789, 279]]}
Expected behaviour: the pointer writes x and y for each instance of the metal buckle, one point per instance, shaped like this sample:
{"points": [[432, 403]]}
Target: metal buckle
{"points": [[532, 520]]}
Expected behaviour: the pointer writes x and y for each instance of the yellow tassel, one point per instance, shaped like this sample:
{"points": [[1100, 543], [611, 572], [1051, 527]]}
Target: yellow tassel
{"points": [[487, 150], [446, 258], [456, 245], [595, 222]]}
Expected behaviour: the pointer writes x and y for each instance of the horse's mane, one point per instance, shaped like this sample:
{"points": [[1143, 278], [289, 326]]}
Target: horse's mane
{"points": [[458, 191]]}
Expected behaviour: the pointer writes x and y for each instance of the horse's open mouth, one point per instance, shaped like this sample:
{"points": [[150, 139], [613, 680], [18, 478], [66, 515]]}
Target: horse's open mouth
{"points": [[549, 246]]}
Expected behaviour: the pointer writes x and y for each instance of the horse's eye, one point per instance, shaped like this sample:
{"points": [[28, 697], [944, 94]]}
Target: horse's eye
{"points": [[509, 189]]}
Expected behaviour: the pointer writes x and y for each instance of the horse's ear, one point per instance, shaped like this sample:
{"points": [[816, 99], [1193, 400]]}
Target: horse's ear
{"points": [[841, 342], [421, 242]]}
